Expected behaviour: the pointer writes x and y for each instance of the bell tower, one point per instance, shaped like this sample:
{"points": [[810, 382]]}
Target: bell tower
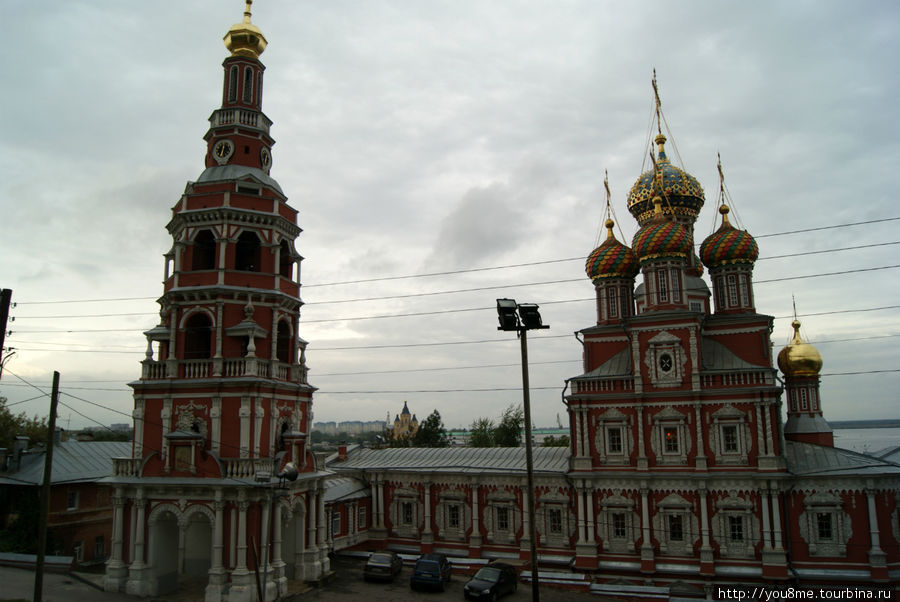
{"points": [[223, 405]]}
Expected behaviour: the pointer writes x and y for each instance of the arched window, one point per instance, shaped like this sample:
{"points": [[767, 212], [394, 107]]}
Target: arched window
{"points": [[283, 345], [232, 83], [204, 255], [259, 88], [198, 337], [248, 84], [247, 253], [803, 403], [285, 263]]}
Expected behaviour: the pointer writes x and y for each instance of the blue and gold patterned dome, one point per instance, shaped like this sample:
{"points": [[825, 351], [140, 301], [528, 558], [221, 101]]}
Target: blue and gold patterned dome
{"points": [[611, 259], [681, 192]]}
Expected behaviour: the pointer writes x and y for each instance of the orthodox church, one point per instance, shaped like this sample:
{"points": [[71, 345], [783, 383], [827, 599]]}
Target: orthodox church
{"points": [[680, 474]]}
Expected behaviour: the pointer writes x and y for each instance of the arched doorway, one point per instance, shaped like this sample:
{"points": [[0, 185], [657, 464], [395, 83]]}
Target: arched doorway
{"points": [[197, 546], [164, 550], [293, 542]]}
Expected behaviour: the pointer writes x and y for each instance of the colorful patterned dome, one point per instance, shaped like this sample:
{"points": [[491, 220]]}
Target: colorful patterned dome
{"points": [[728, 245], [682, 192], [799, 358], [611, 259], [661, 238]]}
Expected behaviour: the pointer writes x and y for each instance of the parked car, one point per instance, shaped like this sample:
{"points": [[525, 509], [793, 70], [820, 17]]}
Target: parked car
{"points": [[431, 570], [382, 566], [492, 581]]}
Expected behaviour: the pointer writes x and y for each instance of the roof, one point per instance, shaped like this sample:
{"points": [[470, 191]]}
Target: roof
{"points": [[503, 460], [73, 462], [218, 173], [344, 488], [809, 459], [717, 356]]}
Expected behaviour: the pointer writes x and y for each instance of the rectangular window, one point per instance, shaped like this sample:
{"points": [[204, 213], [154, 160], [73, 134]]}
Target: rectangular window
{"points": [[803, 400], [732, 291], [823, 522], [745, 296], [735, 528], [248, 84], [78, 551], [613, 305], [72, 500], [453, 516], [362, 517], [406, 513], [670, 436], [696, 306], [614, 440], [662, 285], [503, 518], [335, 522], [730, 439], [676, 528], [99, 548], [618, 526], [554, 517], [676, 290]]}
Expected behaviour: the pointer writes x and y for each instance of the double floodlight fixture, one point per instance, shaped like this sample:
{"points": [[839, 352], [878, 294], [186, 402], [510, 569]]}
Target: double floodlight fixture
{"points": [[518, 316]]}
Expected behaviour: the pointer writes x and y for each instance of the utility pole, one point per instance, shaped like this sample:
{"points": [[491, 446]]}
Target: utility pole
{"points": [[5, 299], [45, 492]]}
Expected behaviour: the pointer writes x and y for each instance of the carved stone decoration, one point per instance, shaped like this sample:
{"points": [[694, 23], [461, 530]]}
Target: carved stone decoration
{"points": [[613, 440], [554, 521], [735, 527], [453, 515], [406, 512], [502, 517], [730, 436], [824, 525], [675, 526], [618, 524], [665, 360], [670, 438]]}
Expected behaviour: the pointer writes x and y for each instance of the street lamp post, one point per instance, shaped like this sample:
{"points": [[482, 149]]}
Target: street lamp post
{"points": [[290, 473], [521, 318]]}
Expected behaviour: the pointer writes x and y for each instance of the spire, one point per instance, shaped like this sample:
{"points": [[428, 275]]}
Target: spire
{"points": [[245, 38]]}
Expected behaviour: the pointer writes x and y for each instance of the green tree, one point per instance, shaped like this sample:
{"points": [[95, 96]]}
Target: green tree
{"points": [[551, 441], [20, 424], [508, 433], [481, 433], [431, 433]]}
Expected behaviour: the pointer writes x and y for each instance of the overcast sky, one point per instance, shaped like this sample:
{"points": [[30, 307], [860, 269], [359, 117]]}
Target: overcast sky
{"points": [[418, 137]]}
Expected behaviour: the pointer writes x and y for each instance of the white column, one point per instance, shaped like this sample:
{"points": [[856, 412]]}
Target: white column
{"points": [[116, 570], [240, 562], [776, 518], [873, 523], [704, 520], [475, 537], [426, 532], [589, 502], [766, 522], [645, 520], [244, 413], [140, 504], [582, 522]]}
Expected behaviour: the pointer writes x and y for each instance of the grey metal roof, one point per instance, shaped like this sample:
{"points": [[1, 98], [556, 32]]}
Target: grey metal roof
{"points": [[503, 460], [344, 488], [809, 459], [73, 462], [219, 173], [617, 365], [717, 356]]}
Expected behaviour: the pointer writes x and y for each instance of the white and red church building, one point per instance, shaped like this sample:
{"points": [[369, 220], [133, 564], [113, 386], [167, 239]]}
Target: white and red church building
{"points": [[680, 475]]}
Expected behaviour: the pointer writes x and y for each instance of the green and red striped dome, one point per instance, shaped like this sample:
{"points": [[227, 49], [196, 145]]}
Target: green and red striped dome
{"points": [[611, 259], [728, 245], [662, 239]]}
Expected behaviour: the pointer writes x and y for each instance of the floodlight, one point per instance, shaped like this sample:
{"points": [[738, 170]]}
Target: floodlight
{"points": [[506, 313]]}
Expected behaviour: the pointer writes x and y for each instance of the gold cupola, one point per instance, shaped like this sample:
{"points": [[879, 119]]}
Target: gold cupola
{"points": [[245, 38], [799, 358]]}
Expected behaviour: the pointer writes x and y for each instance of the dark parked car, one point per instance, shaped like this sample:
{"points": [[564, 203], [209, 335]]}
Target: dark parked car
{"points": [[382, 565], [492, 581], [431, 570]]}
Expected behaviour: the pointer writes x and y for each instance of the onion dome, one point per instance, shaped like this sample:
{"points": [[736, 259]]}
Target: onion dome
{"points": [[245, 38], [661, 237], [799, 358], [728, 245], [611, 259], [683, 193]]}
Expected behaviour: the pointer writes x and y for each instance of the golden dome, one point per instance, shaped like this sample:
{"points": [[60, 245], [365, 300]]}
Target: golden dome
{"points": [[245, 38], [799, 358]]}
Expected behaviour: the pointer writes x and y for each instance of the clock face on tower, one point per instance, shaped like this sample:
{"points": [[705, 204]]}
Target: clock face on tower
{"points": [[222, 151], [265, 158]]}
